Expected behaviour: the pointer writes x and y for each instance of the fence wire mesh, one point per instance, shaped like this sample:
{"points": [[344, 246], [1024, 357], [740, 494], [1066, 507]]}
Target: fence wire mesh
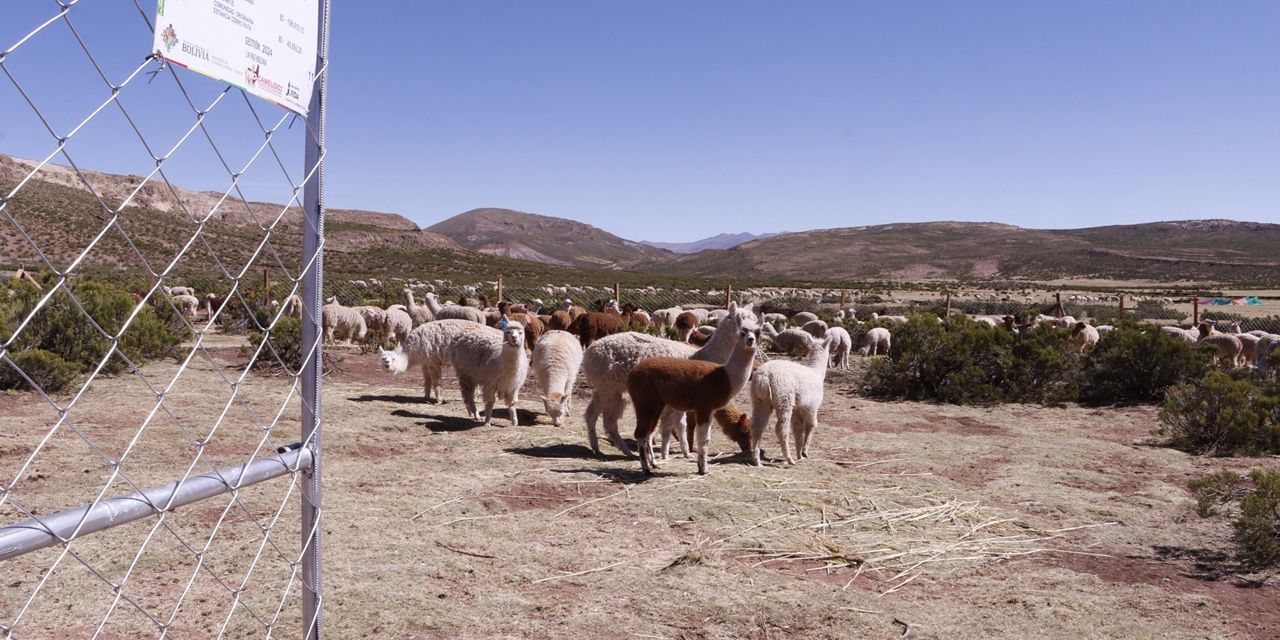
{"points": [[120, 383]]}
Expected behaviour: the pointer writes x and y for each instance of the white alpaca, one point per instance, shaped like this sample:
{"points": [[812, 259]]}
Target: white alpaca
{"points": [[345, 321], [785, 341], [815, 328], [876, 338], [841, 346], [397, 323], [418, 313], [493, 360], [293, 306], [793, 393], [608, 361], [187, 305], [426, 347], [453, 312], [180, 291], [556, 360], [803, 318]]}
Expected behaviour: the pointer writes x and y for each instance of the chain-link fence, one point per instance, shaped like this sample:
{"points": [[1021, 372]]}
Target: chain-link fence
{"points": [[152, 383]]}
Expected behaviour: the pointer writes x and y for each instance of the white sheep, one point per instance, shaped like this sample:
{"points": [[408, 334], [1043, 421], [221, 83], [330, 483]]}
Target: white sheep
{"points": [[793, 393], [555, 362], [180, 291], [453, 312], [427, 347], [345, 321], [417, 313], [493, 360], [876, 338], [841, 346]]}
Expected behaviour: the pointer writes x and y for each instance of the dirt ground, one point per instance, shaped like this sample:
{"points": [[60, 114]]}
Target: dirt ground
{"points": [[908, 520]]}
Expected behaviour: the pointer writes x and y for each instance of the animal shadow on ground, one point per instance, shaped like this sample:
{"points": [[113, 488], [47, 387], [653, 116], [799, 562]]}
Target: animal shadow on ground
{"points": [[440, 424], [402, 399], [617, 476], [1210, 565], [579, 451]]}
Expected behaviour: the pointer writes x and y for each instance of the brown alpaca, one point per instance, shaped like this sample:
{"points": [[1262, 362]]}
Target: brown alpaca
{"points": [[734, 424], [687, 385], [592, 326], [686, 322], [631, 316], [560, 320]]}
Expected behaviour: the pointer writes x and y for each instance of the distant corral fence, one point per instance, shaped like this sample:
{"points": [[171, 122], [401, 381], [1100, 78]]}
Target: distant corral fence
{"points": [[135, 414], [1096, 309]]}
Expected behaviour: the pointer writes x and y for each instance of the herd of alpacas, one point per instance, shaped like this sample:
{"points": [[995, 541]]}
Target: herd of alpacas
{"points": [[678, 387]]}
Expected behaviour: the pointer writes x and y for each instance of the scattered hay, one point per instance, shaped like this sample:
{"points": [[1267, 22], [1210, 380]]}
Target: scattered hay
{"points": [[892, 534]]}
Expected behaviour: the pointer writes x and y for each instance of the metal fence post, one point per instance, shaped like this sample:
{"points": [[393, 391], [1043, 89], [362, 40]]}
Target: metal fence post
{"points": [[312, 291]]}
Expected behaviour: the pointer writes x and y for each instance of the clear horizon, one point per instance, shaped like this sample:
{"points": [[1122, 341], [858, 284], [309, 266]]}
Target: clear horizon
{"points": [[671, 122]]}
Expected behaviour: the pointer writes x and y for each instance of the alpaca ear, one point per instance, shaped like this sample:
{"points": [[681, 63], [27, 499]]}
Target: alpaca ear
{"points": [[733, 307]]}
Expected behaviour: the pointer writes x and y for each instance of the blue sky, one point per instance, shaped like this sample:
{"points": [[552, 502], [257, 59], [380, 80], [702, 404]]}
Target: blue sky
{"points": [[674, 121]]}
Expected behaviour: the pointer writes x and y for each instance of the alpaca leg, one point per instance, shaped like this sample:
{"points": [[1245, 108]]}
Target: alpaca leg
{"points": [[489, 397], [592, 414], [761, 409], [469, 397], [512, 401], [428, 383], [612, 414], [646, 421], [803, 424], [783, 427], [701, 435]]}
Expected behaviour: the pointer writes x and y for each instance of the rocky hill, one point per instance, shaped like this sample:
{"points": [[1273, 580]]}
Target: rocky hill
{"points": [[1197, 251], [527, 236]]}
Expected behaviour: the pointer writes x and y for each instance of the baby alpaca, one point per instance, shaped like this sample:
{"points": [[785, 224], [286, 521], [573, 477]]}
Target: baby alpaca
{"points": [[793, 392], [687, 385], [493, 360], [556, 360], [875, 339]]}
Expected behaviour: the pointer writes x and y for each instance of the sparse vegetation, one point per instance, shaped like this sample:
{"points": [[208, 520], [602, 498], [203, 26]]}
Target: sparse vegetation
{"points": [[1255, 511]]}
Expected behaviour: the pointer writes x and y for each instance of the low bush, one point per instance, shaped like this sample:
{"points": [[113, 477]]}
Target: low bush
{"points": [[1138, 363], [1222, 415], [1255, 517], [67, 337]]}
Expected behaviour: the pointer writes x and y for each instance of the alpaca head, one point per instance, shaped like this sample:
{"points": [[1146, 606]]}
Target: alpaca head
{"points": [[554, 403], [393, 361], [512, 331], [406, 296]]}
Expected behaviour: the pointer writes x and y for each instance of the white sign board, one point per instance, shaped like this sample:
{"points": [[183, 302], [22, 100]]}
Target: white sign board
{"points": [[266, 47]]}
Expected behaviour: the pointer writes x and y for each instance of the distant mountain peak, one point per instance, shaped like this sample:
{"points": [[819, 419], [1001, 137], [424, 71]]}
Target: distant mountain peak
{"points": [[545, 239], [721, 241]]}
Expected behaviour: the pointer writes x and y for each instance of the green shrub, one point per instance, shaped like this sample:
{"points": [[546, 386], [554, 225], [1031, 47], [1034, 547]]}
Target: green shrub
{"points": [[284, 346], [1222, 415], [61, 338], [963, 362], [1138, 363], [1256, 525]]}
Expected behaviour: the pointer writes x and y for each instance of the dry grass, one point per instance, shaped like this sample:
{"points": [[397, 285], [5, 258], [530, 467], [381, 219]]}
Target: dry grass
{"points": [[946, 522]]}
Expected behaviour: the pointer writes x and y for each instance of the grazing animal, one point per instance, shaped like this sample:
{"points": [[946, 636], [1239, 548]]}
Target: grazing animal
{"points": [[685, 323], [453, 312], [1084, 336], [1228, 345], [841, 346], [792, 392], [493, 360], [344, 321], [556, 360], [427, 347], [688, 385], [876, 338]]}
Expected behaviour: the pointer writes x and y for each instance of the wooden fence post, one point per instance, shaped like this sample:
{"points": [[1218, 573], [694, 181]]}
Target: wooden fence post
{"points": [[1058, 298], [1122, 306], [1195, 311], [617, 294], [728, 296], [948, 305], [499, 288], [266, 288], [842, 298]]}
